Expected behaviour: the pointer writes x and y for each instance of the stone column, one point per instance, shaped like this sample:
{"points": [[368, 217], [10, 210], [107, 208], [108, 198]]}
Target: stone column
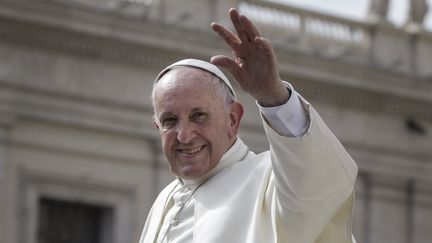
{"points": [[417, 12], [378, 10]]}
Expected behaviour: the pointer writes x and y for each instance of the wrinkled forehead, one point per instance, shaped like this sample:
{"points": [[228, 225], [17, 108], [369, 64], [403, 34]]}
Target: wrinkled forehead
{"points": [[185, 89], [184, 83], [184, 76]]}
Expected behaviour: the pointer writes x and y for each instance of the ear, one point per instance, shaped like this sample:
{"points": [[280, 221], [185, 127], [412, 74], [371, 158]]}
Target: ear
{"points": [[235, 116]]}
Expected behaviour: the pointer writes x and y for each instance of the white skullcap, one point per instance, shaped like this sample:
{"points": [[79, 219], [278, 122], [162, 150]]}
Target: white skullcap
{"points": [[202, 65]]}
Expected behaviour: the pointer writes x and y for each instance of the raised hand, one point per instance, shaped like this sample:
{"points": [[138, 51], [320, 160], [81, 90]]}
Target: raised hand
{"points": [[255, 65]]}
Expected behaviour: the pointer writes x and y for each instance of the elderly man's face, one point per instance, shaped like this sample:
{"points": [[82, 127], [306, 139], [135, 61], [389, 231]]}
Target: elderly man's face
{"points": [[195, 126]]}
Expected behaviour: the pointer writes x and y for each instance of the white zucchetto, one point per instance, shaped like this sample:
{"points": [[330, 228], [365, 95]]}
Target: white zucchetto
{"points": [[202, 65]]}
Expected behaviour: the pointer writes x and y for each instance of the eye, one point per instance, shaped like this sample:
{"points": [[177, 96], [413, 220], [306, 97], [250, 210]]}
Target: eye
{"points": [[168, 122], [199, 117]]}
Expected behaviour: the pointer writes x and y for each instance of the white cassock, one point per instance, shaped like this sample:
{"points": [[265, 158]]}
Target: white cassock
{"points": [[300, 191]]}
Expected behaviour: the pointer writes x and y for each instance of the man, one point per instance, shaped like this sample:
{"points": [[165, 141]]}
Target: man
{"points": [[299, 191]]}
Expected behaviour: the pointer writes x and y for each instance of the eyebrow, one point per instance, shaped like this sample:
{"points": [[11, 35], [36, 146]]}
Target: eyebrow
{"points": [[168, 113], [197, 109], [165, 114]]}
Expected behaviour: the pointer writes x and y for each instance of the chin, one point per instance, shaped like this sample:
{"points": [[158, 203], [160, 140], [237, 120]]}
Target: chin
{"points": [[191, 175]]}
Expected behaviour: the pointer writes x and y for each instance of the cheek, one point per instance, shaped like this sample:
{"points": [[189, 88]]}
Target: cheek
{"points": [[218, 135], [168, 140]]}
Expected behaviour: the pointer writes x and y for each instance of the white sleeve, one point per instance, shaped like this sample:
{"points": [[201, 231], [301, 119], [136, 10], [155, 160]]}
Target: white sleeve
{"points": [[288, 119]]}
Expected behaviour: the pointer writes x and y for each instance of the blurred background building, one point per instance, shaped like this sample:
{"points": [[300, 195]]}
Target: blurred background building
{"points": [[81, 162]]}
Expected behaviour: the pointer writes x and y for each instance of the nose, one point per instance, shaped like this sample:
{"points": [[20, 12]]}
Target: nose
{"points": [[185, 132]]}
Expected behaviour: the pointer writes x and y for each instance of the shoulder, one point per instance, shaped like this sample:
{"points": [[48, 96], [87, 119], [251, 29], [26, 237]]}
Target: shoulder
{"points": [[252, 163]]}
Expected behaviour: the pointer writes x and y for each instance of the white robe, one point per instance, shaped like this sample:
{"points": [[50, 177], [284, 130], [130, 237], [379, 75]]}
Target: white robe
{"points": [[301, 191]]}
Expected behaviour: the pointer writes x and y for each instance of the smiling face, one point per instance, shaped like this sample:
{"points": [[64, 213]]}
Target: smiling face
{"points": [[195, 125]]}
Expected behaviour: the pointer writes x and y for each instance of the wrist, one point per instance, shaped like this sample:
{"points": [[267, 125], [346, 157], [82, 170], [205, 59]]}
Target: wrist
{"points": [[276, 98]]}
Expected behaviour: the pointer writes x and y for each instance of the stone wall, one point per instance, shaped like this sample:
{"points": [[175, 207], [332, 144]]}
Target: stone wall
{"points": [[76, 118]]}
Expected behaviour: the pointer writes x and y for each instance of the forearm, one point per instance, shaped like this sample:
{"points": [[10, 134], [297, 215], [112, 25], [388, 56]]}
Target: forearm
{"points": [[313, 168]]}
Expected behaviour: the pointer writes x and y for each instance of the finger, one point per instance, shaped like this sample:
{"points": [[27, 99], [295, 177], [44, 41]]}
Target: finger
{"points": [[234, 15], [264, 44], [225, 62], [230, 38], [249, 28]]}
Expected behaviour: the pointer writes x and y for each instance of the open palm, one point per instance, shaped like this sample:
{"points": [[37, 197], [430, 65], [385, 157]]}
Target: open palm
{"points": [[254, 65]]}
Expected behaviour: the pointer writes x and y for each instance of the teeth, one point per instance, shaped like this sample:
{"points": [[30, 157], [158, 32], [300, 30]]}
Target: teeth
{"points": [[191, 150]]}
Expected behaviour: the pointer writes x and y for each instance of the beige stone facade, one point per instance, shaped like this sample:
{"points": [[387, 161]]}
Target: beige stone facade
{"points": [[76, 119]]}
